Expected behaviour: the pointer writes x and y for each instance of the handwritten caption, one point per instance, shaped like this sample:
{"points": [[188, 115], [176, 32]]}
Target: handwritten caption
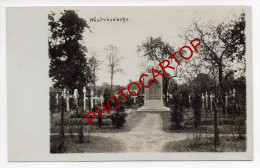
{"points": [[109, 19]]}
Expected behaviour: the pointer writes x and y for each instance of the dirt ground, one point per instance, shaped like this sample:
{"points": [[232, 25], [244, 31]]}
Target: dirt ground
{"points": [[146, 136]]}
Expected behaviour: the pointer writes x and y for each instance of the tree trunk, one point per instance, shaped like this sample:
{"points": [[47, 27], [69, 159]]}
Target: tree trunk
{"points": [[111, 84], [165, 89], [216, 132], [222, 96], [94, 80], [62, 118]]}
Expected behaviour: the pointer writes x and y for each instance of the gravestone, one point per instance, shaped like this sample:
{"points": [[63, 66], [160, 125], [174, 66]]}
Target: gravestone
{"points": [[153, 99]]}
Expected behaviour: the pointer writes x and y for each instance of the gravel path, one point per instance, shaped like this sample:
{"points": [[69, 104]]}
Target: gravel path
{"points": [[147, 136]]}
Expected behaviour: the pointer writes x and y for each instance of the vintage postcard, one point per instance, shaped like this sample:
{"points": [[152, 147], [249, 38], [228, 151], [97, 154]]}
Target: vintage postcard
{"points": [[116, 83]]}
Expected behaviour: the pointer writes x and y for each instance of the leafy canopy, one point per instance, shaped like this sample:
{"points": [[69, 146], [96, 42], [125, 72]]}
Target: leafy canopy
{"points": [[69, 67]]}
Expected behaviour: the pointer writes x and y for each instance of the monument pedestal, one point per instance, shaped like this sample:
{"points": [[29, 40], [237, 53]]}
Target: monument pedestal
{"points": [[153, 101], [153, 106]]}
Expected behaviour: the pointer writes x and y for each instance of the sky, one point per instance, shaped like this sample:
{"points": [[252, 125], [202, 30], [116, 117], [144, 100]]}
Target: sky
{"points": [[168, 22]]}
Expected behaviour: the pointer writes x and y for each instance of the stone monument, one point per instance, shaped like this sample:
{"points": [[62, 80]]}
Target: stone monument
{"points": [[153, 96]]}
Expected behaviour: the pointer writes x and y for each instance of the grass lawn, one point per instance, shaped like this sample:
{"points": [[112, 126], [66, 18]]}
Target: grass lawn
{"points": [[96, 145], [227, 144], [226, 124], [131, 120]]}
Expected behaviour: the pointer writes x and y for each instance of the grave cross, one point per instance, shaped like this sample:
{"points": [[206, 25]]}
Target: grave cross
{"points": [[206, 99], [203, 101], [67, 101], [84, 98], [134, 99], [76, 96]]}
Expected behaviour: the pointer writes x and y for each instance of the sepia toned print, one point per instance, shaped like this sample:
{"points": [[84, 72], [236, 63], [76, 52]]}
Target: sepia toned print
{"points": [[197, 107], [112, 83]]}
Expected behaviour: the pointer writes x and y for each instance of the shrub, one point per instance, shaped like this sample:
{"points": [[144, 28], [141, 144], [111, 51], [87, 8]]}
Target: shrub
{"points": [[99, 118], [170, 102], [140, 99], [71, 128], [99, 122], [53, 103], [81, 137], [113, 103], [118, 118], [72, 104], [58, 145], [197, 118], [78, 119], [89, 130], [106, 95], [177, 117], [129, 103], [197, 103]]}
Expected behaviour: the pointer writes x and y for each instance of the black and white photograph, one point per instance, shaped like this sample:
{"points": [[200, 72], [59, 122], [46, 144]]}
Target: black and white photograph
{"points": [[132, 83]]}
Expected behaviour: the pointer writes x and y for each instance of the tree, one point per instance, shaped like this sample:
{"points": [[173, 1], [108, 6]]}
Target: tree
{"points": [[106, 95], [157, 50], [94, 63], [222, 44], [177, 117], [68, 65], [118, 118], [173, 87], [202, 83], [114, 59]]}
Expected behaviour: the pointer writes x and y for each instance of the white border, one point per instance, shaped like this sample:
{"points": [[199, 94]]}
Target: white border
{"points": [[256, 82]]}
